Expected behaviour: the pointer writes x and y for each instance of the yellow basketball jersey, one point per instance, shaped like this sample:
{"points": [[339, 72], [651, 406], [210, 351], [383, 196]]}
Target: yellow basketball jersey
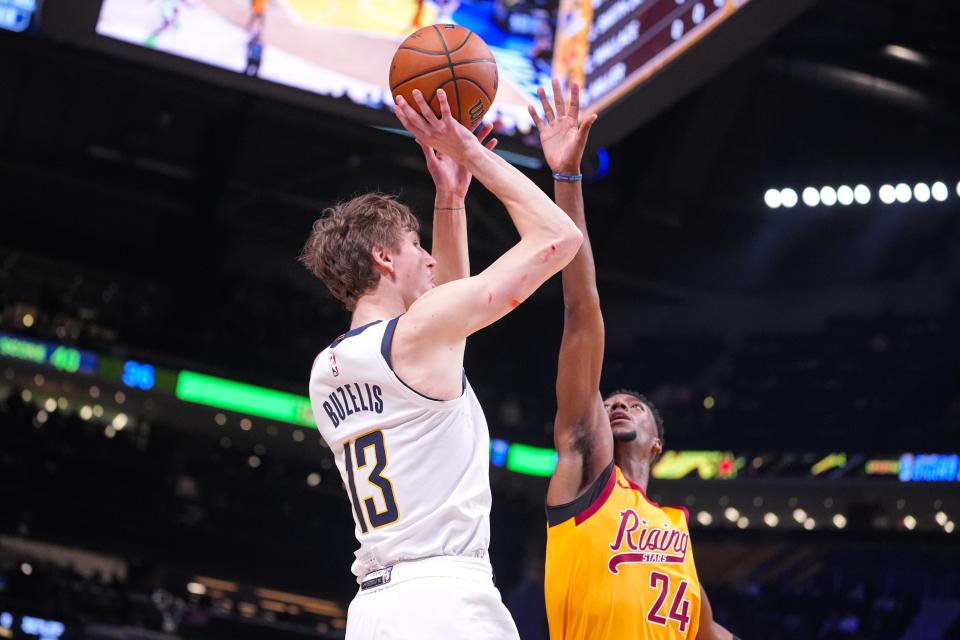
{"points": [[620, 567]]}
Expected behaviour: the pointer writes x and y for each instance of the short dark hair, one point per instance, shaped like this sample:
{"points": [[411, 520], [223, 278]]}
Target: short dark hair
{"points": [[339, 249], [657, 418]]}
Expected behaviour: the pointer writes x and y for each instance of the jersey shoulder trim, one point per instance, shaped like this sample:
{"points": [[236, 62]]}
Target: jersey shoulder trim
{"points": [[352, 332], [587, 504], [638, 488], [385, 352]]}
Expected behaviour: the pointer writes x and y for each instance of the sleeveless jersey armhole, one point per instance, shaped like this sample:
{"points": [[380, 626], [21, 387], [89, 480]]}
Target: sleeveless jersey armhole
{"points": [[587, 504], [385, 345]]}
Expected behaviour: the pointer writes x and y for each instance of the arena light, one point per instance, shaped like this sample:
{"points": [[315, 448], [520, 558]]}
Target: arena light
{"points": [[888, 195], [948, 527], [861, 193], [939, 191], [828, 196], [743, 522], [196, 588], [246, 398], [704, 518], [941, 518], [921, 192], [86, 412], [839, 521], [731, 514], [50, 405], [906, 54], [811, 197], [772, 198], [313, 479], [499, 450], [788, 198], [120, 421], [844, 195], [770, 519], [809, 524], [799, 515], [903, 193], [535, 461], [909, 522]]}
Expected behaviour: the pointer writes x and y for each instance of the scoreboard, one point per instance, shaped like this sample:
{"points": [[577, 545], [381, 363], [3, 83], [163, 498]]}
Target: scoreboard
{"points": [[611, 46]]}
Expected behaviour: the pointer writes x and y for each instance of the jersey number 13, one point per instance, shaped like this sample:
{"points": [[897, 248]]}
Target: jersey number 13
{"points": [[356, 455]]}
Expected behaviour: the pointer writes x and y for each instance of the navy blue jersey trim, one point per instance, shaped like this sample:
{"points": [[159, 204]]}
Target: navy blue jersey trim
{"points": [[563, 512], [352, 332], [388, 340], [385, 352]]}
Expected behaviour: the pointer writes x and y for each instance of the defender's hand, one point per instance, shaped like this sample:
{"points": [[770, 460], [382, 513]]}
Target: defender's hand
{"points": [[562, 136]]}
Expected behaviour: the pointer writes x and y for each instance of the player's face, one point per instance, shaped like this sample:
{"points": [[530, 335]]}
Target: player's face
{"points": [[413, 267], [630, 419]]}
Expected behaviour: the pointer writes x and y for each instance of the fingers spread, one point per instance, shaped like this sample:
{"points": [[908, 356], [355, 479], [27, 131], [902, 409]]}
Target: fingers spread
{"points": [[547, 109], [425, 109], [536, 118], [444, 105], [575, 101], [485, 131], [558, 98], [585, 129]]}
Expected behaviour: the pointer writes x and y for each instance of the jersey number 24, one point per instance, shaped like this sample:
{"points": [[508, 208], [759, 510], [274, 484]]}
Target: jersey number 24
{"points": [[678, 610], [356, 451]]}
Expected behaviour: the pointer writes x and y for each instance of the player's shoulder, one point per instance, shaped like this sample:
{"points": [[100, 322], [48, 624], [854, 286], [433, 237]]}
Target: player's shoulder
{"points": [[340, 349], [588, 503]]}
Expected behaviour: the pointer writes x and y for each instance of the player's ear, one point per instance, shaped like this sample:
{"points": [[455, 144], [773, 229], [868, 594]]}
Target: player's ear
{"points": [[657, 447], [382, 259]]}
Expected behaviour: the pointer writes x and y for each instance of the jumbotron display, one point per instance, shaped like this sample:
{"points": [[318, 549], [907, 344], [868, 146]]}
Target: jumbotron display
{"points": [[611, 46], [343, 49]]}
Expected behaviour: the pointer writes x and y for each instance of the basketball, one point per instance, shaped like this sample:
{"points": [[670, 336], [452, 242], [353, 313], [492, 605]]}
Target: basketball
{"points": [[448, 57]]}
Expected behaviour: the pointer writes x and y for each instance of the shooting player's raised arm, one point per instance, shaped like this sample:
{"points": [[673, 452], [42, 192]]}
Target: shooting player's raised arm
{"points": [[432, 331], [451, 179]]}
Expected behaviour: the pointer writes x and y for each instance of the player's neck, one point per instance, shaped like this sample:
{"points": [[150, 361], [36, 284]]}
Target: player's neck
{"points": [[636, 470], [380, 304]]}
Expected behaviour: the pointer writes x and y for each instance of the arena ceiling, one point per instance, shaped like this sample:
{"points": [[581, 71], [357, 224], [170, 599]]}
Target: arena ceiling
{"points": [[131, 172]]}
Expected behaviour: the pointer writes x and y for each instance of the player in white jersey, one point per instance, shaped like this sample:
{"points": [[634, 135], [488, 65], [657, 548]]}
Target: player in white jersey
{"points": [[390, 396]]}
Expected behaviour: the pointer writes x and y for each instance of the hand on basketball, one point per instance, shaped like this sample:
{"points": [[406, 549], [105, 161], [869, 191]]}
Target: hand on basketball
{"points": [[449, 176], [562, 135], [443, 134]]}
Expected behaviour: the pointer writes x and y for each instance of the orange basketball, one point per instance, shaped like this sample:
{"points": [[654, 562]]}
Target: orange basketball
{"points": [[448, 57]]}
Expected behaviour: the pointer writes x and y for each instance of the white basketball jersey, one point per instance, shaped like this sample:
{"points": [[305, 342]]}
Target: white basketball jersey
{"points": [[416, 470]]}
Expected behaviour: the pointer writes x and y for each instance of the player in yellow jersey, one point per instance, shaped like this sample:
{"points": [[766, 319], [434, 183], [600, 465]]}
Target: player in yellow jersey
{"points": [[617, 565]]}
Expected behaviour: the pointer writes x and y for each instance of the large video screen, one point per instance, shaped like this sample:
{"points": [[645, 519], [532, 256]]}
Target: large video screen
{"points": [[611, 46], [341, 49]]}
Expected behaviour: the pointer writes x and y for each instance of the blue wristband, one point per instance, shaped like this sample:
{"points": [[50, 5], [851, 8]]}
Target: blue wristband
{"points": [[568, 177]]}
